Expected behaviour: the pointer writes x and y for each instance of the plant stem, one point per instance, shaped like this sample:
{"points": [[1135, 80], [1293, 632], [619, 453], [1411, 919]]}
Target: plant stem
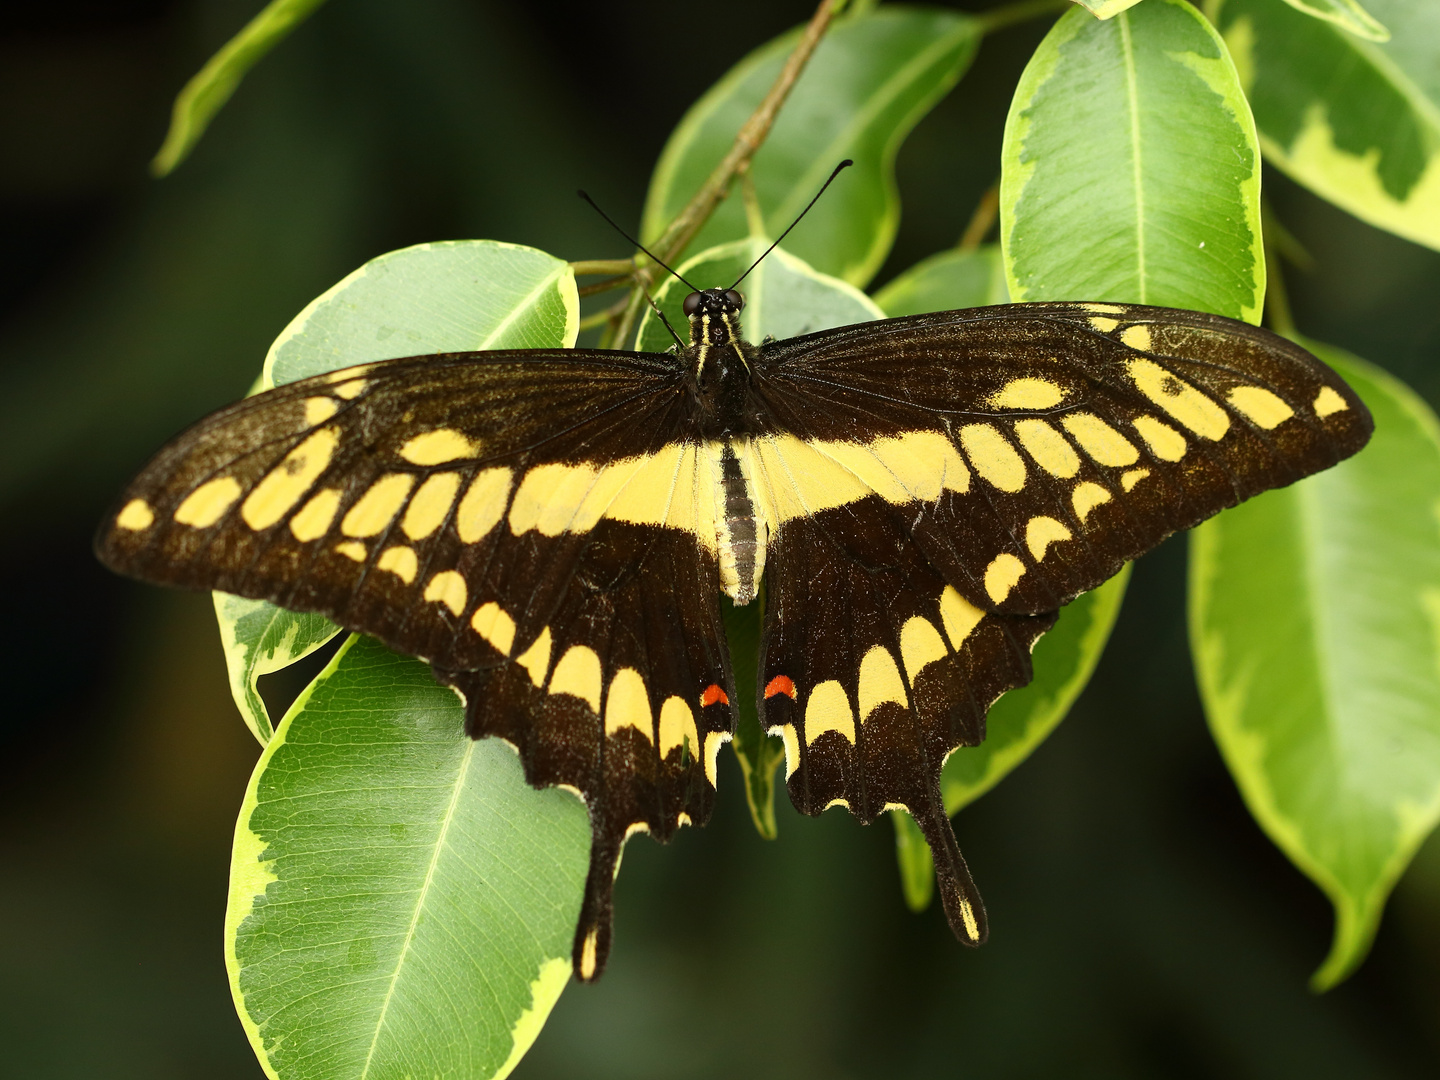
{"points": [[751, 136], [1277, 298], [981, 220], [594, 267], [1009, 14]]}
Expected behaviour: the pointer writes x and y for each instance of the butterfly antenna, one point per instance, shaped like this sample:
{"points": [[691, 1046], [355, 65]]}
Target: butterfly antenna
{"points": [[632, 240], [656, 307], [843, 165]]}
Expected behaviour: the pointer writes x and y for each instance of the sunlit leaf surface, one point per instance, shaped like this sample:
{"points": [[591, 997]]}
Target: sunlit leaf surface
{"points": [[1315, 624], [402, 903], [1357, 122], [1159, 201]]}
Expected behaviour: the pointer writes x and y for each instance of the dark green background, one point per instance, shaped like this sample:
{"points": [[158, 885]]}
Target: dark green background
{"points": [[1142, 925]]}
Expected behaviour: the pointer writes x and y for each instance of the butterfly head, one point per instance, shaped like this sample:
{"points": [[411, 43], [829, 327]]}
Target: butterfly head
{"points": [[714, 316]]}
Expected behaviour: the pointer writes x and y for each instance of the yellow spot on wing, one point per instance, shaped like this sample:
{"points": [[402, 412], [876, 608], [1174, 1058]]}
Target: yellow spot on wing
{"points": [[838, 802], [1328, 401], [795, 479], [1027, 393], [1048, 447], [136, 516], [400, 561], [483, 504], [1104, 325], [495, 625], [920, 644], [1137, 337], [578, 674], [1002, 575], [628, 705], [314, 518], [713, 741], [587, 955], [1104, 309], [1164, 441], [1265, 409], [207, 504], [993, 456], [378, 506], [448, 588], [677, 726], [958, 616], [1181, 400], [916, 465], [792, 747], [320, 409], [828, 709], [1130, 477], [283, 485], [350, 390], [536, 659], [967, 915], [352, 549], [1041, 532], [1098, 439], [438, 447], [430, 505], [879, 682], [1086, 497]]}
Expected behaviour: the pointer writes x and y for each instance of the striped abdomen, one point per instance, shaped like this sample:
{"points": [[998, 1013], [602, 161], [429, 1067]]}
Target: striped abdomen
{"points": [[740, 533]]}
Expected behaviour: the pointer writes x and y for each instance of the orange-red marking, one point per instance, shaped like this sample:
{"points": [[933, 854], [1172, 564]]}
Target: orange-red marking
{"points": [[780, 684], [713, 695]]}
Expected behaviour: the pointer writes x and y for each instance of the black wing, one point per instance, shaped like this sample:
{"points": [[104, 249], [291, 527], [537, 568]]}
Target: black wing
{"points": [[943, 484], [534, 524]]}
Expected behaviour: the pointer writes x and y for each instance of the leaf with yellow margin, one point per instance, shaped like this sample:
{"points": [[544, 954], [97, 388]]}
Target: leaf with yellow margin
{"points": [[1315, 627]]}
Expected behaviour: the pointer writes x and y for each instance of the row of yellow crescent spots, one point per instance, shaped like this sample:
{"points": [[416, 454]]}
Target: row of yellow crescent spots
{"points": [[827, 706], [578, 673]]}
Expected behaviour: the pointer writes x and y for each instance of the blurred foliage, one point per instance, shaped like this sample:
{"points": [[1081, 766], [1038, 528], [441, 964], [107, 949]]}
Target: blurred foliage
{"points": [[1143, 924]]}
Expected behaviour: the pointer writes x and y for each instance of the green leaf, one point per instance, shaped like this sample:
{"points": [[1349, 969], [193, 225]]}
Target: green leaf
{"points": [[784, 296], [1355, 121], [951, 279], [759, 754], [402, 903], [868, 83], [1315, 626], [203, 96], [917, 865], [259, 638], [447, 297], [444, 297], [1106, 9], [1347, 14], [1064, 660], [1104, 194]]}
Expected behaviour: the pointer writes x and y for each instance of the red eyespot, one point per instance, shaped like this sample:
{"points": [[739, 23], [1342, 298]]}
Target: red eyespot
{"points": [[713, 695], [780, 684]]}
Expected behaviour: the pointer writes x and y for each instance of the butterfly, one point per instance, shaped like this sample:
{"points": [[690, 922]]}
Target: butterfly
{"points": [[915, 499]]}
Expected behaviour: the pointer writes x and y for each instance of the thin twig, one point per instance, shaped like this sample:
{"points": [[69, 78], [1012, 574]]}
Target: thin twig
{"points": [[751, 136], [603, 315], [605, 286], [593, 267], [1277, 298]]}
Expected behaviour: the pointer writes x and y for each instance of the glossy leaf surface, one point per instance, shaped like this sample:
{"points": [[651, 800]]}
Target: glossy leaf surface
{"points": [[1315, 617], [402, 903], [1356, 121], [870, 80], [1159, 201], [1344, 13]]}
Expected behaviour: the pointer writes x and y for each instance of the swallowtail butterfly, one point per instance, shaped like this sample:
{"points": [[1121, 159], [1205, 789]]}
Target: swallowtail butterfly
{"points": [[552, 531]]}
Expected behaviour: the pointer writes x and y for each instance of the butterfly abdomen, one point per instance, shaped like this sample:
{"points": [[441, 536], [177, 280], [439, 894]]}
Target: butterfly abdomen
{"points": [[741, 535]]}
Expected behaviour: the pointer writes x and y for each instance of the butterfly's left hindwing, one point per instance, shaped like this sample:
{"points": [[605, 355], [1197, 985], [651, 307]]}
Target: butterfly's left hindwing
{"points": [[534, 525]]}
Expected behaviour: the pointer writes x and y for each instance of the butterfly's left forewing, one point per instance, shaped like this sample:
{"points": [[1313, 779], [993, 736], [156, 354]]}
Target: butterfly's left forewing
{"points": [[495, 514]]}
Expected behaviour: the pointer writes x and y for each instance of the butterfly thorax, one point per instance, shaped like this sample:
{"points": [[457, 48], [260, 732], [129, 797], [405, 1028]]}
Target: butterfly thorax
{"points": [[721, 360]]}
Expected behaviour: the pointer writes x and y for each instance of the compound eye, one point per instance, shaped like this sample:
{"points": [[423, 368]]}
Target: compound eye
{"points": [[735, 298], [692, 304]]}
